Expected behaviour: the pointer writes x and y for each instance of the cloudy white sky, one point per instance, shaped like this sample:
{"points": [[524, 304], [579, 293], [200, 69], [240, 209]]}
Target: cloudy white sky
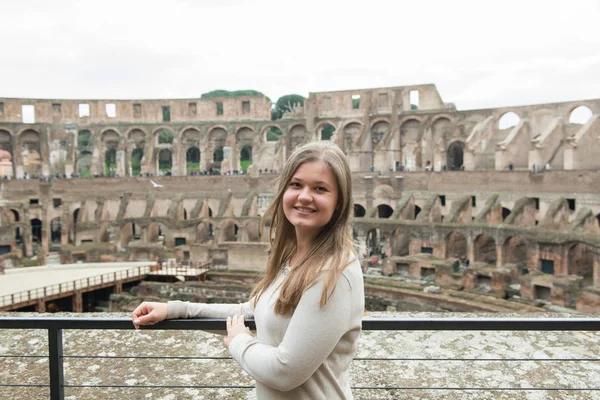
{"points": [[478, 53]]}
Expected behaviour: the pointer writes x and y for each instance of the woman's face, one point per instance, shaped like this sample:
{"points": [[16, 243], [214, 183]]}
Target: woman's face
{"points": [[310, 198]]}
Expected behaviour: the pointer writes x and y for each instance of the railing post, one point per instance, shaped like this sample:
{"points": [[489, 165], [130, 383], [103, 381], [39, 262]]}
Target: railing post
{"points": [[55, 352]]}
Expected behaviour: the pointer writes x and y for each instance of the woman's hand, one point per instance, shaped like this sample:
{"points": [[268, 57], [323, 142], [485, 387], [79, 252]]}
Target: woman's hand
{"points": [[148, 313], [235, 326]]}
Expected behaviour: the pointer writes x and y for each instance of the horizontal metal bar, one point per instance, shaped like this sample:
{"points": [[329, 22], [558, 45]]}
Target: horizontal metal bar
{"points": [[470, 388], [369, 324], [355, 359], [24, 385], [353, 387]]}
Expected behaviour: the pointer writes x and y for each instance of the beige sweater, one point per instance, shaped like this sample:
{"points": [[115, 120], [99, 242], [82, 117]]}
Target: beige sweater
{"points": [[305, 356]]}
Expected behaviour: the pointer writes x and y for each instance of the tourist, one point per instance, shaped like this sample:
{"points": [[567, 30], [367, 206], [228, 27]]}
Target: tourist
{"points": [[309, 306]]}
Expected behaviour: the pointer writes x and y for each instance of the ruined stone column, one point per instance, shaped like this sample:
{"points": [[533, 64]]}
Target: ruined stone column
{"points": [[499, 256]]}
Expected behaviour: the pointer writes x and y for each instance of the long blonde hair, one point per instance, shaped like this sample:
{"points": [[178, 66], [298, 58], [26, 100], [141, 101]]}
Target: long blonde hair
{"points": [[332, 248]]}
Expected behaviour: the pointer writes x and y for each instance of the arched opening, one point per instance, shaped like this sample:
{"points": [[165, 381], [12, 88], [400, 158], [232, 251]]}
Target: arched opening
{"points": [[218, 154], [36, 231], [6, 155], [359, 211], [165, 136], [417, 210], [372, 241], [246, 157], [399, 243], [55, 232], [384, 211], [110, 162], [581, 263], [136, 162], [297, 136], [229, 231], [456, 245], [210, 212], [84, 164], [31, 153], [202, 232], [598, 219], [514, 251], [485, 249], [18, 237], [84, 140], [73, 232], [156, 233], [581, 115], [410, 143], [185, 214], [505, 213], [192, 160], [378, 132], [165, 161], [327, 131], [273, 134], [508, 120], [351, 131], [455, 156]]}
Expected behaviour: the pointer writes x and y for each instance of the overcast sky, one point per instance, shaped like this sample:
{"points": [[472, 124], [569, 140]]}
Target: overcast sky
{"points": [[479, 53]]}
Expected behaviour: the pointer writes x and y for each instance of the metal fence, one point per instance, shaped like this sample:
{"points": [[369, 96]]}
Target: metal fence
{"points": [[56, 326]]}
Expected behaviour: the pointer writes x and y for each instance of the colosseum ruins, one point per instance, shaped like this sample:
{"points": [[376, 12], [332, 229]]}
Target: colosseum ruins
{"points": [[500, 198]]}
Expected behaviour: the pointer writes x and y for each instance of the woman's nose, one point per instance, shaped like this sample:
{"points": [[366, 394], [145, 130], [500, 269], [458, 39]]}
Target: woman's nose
{"points": [[305, 195]]}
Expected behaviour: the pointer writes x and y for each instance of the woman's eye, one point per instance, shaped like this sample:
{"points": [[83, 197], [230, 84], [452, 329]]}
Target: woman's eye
{"points": [[321, 189], [295, 185]]}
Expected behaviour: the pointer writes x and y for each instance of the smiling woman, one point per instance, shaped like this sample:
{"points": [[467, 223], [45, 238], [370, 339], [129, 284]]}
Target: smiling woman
{"points": [[309, 306]]}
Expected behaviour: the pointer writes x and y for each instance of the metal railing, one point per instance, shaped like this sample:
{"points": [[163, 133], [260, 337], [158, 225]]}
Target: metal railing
{"points": [[56, 326], [71, 286]]}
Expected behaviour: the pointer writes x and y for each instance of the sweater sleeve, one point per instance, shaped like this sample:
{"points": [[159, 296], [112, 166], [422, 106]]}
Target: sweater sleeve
{"points": [[185, 309], [311, 335]]}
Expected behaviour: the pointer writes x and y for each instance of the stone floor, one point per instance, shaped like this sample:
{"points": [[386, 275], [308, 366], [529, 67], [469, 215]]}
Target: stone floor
{"points": [[476, 373]]}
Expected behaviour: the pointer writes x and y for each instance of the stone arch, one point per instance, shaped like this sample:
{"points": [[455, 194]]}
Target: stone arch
{"points": [[508, 120], [136, 142], [203, 232], [441, 130], [164, 161], [271, 133], [297, 136], [7, 164], [505, 213], [379, 130], [417, 211], [399, 242], [251, 231], [130, 232], [229, 231], [410, 143], [216, 140], [372, 240], [514, 251], [31, 152], [192, 160], [580, 115], [456, 245], [104, 233], [110, 140], [325, 131], [485, 249], [36, 230], [384, 211], [83, 164], [163, 136], [351, 131], [55, 231], [359, 211], [455, 155], [157, 232], [581, 262], [190, 136]]}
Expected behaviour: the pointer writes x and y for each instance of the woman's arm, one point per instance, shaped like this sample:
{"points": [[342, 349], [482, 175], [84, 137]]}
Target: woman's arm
{"points": [[185, 309], [311, 336]]}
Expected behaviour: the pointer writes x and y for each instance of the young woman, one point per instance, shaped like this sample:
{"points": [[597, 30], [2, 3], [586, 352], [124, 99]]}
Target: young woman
{"points": [[308, 308]]}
